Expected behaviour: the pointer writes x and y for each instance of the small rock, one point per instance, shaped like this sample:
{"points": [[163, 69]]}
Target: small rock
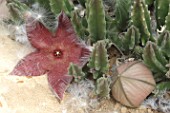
{"points": [[0, 104], [123, 110]]}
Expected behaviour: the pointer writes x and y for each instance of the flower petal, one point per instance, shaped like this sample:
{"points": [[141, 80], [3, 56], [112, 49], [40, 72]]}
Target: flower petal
{"points": [[32, 65], [75, 51], [85, 54], [77, 54], [65, 31], [39, 36], [59, 83]]}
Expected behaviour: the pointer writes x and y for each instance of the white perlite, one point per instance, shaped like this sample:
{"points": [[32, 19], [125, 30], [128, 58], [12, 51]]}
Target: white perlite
{"points": [[160, 103]]}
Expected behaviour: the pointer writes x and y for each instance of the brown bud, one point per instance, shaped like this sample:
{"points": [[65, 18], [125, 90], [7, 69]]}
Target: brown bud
{"points": [[133, 82]]}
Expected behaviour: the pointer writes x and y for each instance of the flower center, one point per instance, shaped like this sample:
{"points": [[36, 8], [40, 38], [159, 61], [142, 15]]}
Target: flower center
{"points": [[58, 53]]}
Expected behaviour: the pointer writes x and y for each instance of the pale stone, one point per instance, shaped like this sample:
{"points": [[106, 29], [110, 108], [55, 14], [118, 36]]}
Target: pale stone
{"points": [[4, 13], [123, 110]]}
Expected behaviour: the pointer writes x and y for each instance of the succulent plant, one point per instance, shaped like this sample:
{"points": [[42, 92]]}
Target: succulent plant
{"points": [[122, 12], [126, 24], [76, 72], [156, 57], [17, 9], [163, 43], [130, 40], [103, 87], [161, 11], [141, 19], [167, 21], [99, 60], [96, 20], [149, 2]]}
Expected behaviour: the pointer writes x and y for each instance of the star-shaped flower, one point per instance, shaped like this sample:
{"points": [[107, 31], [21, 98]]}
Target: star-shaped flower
{"points": [[53, 55]]}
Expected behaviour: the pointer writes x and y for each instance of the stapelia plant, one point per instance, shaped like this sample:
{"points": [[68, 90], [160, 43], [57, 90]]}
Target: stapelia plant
{"points": [[54, 53], [115, 29]]}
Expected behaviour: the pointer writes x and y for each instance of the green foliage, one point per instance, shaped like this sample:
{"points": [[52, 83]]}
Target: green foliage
{"points": [[129, 42], [131, 39], [96, 20], [161, 11], [122, 10], [163, 86], [149, 2], [68, 6], [17, 9], [103, 87], [43, 3], [164, 43], [60, 5], [77, 23], [99, 59], [157, 56], [76, 72], [154, 58], [141, 19], [56, 6], [167, 21]]}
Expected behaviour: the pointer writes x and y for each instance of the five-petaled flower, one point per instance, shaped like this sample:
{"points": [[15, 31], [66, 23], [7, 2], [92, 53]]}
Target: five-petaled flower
{"points": [[54, 53]]}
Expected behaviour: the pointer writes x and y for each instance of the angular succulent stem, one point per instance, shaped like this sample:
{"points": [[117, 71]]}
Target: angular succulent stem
{"points": [[96, 20], [103, 87], [163, 86], [44, 3], [99, 59], [56, 6], [17, 9], [122, 10], [154, 58], [68, 6], [76, 72], [167, 21], [163, 42], [79, 28], [149, 2], [162, 7], [131, 39], [141, 19]]}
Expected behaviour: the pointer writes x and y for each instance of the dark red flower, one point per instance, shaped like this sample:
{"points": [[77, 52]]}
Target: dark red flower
{"points": [[53, 55]]}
